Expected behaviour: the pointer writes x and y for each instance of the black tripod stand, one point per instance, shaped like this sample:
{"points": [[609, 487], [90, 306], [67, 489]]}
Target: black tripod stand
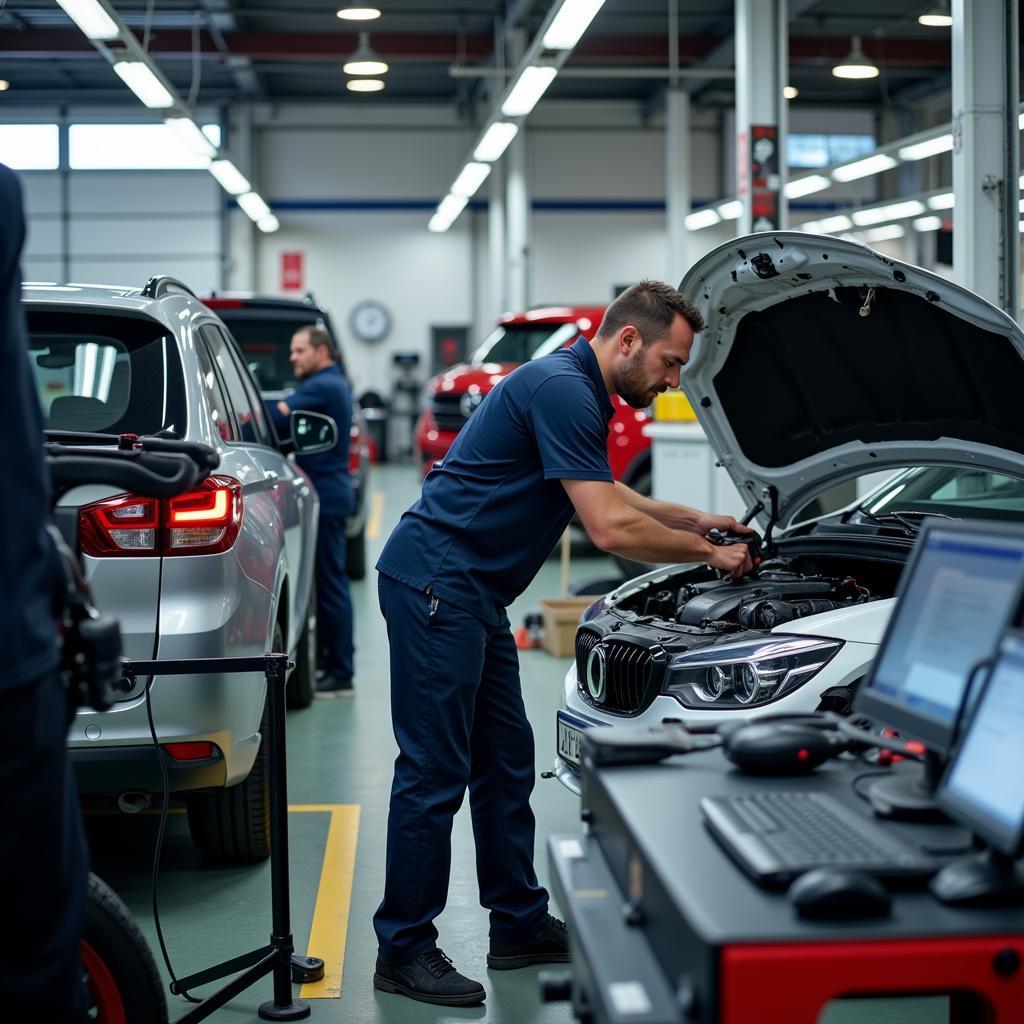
{"points": [[277, 956]]}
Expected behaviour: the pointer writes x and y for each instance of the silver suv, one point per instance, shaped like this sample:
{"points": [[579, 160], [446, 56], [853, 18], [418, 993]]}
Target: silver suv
{"points": [[224, 570]]}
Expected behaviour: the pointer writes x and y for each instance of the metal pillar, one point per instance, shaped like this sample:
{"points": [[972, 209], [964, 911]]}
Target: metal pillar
{"points": [[761, 72], [986, 158], [497, 299], [677, 181], [517, 229]]}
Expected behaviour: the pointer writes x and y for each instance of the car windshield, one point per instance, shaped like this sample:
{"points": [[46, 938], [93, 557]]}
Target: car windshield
{"points": [[106, 374], [956, 493], [519, 343], [265, 337]]}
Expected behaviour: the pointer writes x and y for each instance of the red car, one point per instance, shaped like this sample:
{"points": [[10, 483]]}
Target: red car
{"points": [[454, 395]]}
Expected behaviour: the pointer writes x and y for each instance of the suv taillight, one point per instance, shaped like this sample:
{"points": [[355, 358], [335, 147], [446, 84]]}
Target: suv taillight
{"points": [[204, 521]]}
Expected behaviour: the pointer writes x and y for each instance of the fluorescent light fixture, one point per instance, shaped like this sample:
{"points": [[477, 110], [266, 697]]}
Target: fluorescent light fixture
{"points": [[928, 223], [855, 64], [142, 80], [830, 225], [495, 141], [790, 92], [231, 179], [253, 205], [930, 147], [358, 13], [447, 210], [192, 136], [268, 224], [730, 210], [1020, 206], [862, 168], [938, 17], [470, 178], [4, 85], [805, 186], [891, 211], [364, 61], [365, 85], [885, 234], [1020, 121], [702, 219], [570, 23], [943, 201], [91, 18], [529, 87]]}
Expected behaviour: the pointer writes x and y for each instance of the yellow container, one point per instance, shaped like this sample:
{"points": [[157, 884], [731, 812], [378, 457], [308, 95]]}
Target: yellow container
{"points": [[674, 406]]}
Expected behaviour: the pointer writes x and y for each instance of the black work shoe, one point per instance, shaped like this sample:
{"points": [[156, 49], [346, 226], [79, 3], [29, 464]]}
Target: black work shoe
{"points": [[551, 946], [334, 686], [430, 978]]}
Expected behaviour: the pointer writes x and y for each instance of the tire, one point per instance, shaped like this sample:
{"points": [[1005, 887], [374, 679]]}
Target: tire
{"points": [[232, 825], [302, 682], [355, 556], [641, 483], [121, 978]]}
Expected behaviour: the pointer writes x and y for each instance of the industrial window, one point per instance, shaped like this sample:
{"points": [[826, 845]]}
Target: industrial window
{"points": [[134, 147], [819, 150], [29, 147]]}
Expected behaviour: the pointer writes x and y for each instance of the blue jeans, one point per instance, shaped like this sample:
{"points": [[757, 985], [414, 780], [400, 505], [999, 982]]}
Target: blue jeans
{"points": [[458, 716]]}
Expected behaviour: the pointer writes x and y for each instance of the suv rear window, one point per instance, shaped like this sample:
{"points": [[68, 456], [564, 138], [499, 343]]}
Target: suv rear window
{"points": [[106, 374], [519, 343]]}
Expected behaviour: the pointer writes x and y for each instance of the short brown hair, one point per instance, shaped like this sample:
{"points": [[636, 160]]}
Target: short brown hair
{"points": [[650, 306], [319, 338]]}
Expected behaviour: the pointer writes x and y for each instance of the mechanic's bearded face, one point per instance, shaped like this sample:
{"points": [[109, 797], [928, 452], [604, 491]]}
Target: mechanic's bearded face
{"points": [[652, 368], [304, 357], [633, 381]]}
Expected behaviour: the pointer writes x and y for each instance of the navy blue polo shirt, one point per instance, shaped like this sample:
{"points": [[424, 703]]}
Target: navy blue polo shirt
{"points": [[492, 511], [325, 391]]}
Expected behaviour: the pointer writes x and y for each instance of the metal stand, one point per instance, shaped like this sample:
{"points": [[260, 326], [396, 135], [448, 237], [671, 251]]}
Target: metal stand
{"points": [[277, 956]]}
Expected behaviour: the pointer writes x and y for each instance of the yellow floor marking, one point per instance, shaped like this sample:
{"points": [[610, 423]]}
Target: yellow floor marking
{"points": [[330, 914], [376, 514]]}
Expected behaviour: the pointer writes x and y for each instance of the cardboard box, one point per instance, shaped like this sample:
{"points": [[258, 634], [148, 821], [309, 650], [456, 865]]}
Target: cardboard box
{"points": [[561, 617]]}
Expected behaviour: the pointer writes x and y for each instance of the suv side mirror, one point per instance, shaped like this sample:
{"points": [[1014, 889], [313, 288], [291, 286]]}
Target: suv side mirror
{"points": [[313, 432]]}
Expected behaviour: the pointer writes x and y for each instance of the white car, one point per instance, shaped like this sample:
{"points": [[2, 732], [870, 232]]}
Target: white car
{"points": [[822, 361]]}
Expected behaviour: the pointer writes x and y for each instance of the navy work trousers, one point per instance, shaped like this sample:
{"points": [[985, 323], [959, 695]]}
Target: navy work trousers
{"points": [[458, 716], [333, 601], [42, 859]]}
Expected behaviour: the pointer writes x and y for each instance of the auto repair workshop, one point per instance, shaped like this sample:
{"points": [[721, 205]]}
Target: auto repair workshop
{"points": [[516, 512]]}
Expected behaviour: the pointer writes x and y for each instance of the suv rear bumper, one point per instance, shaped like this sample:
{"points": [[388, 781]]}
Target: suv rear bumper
{"points": [[111, 771]]}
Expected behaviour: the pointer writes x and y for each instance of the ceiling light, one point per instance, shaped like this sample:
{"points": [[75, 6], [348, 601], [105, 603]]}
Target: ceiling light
{"points": [[884, 234], [91, 18], [530, 86], [938, 17], [891, 211], [364, 61], [927, 223], [702, 219], [930, 147], [359, 13], [943, 201], [231, 179], [855, 64], [495, 141], [790, 92], [805, 186], [447, 210], [268, 224], [365, 85], [570, 23], [4, 85], [830, 225], [253, 205], [470, 179], [192, 136], [730, 210], [862, 168], [142, 80]]}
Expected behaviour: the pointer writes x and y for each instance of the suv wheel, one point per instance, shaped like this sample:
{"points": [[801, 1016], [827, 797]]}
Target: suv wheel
{"points": [[355, 556], [302, 682]]}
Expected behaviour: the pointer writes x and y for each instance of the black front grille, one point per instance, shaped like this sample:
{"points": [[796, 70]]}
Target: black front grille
{"points": [[633, 673], [447, 413]]}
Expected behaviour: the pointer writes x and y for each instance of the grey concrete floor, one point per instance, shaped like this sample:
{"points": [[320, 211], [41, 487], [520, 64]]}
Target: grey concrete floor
{"points": [[341, 752]]}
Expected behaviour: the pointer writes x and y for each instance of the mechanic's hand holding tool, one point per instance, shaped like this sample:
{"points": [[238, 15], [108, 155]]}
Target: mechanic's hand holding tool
{"points": [[732, 559]]}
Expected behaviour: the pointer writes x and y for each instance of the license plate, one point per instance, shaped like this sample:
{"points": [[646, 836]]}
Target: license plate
{"points": [[569, 738]]}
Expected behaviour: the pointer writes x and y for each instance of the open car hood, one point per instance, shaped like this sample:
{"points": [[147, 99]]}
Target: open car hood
{"points": [[824, 360]]}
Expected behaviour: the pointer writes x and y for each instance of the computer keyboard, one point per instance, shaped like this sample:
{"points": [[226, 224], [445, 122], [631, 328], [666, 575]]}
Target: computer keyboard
{"points": [[776, 836]]}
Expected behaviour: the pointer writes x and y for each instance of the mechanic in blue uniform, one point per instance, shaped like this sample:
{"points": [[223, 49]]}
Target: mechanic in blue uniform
{"points": [[324, 388], [42, 849], [488, 517]]}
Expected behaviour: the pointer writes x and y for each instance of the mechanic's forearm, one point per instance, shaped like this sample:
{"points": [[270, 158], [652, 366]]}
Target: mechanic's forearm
{"points": [[676, 517], [644, 539]]}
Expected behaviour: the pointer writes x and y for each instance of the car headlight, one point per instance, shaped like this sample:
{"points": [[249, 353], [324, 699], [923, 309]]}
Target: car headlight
{"points": [[746, 674], [595, 609]]}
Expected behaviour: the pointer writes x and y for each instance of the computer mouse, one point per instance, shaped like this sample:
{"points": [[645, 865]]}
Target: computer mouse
{"points": [[829, 894], [780, 748]]}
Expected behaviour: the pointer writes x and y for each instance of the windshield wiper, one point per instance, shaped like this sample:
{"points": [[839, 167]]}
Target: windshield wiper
{"points": [[909, 527]]}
